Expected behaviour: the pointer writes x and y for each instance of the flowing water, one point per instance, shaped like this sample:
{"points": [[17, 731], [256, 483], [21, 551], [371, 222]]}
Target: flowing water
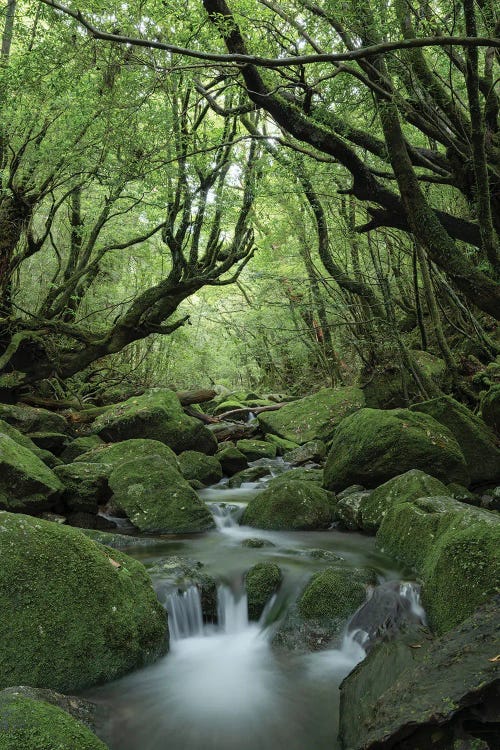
{"points": [[224, 686]]}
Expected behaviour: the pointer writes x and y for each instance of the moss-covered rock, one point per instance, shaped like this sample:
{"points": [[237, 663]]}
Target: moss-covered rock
{"points": [[74, 613], [252, 474], [156, 498], [85, 486], [55, 442], [255, 449], [113, 455], [347, 509], [47, 457], [302, 475], [199, 466], [231, 459], [122, 541], [79, 446], [406, 487], [261, 582], [314, 451], [490, 408], [175, 574], [476, 440], [26, 483], [313, 417], [292, 505], [372, 446], [389, 386], [79, 708], [282, 445], [29, 724], [333, 593], [29, 419], [157, 415], [229, 404]]}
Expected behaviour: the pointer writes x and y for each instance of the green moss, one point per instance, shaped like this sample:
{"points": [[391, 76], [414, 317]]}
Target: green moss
{"points": [[248, 475], [372, 446], [27, 724], [74, 613], [79, 446], [26, 483], [206, 469], [261, 582], [282, 445], [156, 498], [229, 404], [333, 593], [255, 449], [113, 455], [292, 505], [86, 485], [313, 417]]}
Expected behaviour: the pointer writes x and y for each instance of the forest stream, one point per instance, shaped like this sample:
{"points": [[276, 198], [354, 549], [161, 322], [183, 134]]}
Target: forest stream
{"points": [[223, 684]]}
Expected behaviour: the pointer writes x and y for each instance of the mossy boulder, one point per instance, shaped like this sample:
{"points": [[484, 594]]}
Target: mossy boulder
{"points": [[261, 582], [389, 386], [85, 486], [313, 417], [490, 408], [406, 487], [20, 438], [29, 419], [84, 711], [113, 455], [157, 498], [314, 451], [74, 613], [199, 466], [157, 415], [55, 442], [29, 724], [282, 445], [334, 593], [476, 440], [79, 446], [252, 474], [26, 483], [291, 505], [255, 449], [372, 446], [300, 474], [231, 459], [347, 509]]}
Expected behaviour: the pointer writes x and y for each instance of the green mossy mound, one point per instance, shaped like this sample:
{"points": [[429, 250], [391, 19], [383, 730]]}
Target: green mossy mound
{"points": [[476, 440], [261, 582], [313, 417], [85, 486], [231, 459], [291, 505], [490, 408], [157, 415], [333, 593], [113, 455], [29, 419], [26, 483], [199, 466], [74, 613], [372, 446], [230, 404], [156, 498], [27, 724], [255, 449], [406, 487], [79, 446]]}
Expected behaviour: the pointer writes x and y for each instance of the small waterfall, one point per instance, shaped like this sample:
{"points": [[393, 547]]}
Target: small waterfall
{"points": [[411, 592], [185, 617], [225, 516], [232, 611]]}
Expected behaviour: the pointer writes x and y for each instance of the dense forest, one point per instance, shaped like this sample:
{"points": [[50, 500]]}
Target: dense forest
{"points": [[250, 279]]}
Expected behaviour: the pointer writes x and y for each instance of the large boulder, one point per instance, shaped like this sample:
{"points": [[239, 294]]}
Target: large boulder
{"points": [[74, 613], [406, 487], [85, 486], [389, 386], [412, 694], [313, 417], [453, 547], [110, 456], [157, 498], [31, 724], [255, 449], [476, 440], [29, 419], [291, 505], [261, 582], [158, 415], [372, 446], [26, 483], [199, 466]]}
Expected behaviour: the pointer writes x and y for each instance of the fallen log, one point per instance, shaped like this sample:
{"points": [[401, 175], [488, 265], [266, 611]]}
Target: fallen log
{"points": [[205, 418], [195, 397], [250, 410], [232, 431]]}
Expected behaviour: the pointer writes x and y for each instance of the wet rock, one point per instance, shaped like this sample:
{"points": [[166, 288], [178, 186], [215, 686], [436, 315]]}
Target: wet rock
{"points": [[121, 541], [255, 449], [372, 446], [18, 437], [206, 469], [173, 573], [255, 543], [313, 417], [261, 582], [79, 708], [391, 607], [292, 505], [26, 483], [302, 475], [351, 490], [231, 459], [84, 520], [73, 614], [314, 451], [282, 445]]}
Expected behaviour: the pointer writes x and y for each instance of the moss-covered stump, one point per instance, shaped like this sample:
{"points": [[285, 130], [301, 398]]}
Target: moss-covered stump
{"points": [[158, 415], [455, 548], [47, 457], [490, 408], [26, 483], [261, 582], [199, 466], [30, 724], [113, 455], [74, 613], [231, 459], [372, 446], [156, 498], [85, 486], [314, 451], [429, 697], [406, 487], [255, 449], [29, 419], [290, 505], [476, 440], [313, 417], [79, 446]]}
